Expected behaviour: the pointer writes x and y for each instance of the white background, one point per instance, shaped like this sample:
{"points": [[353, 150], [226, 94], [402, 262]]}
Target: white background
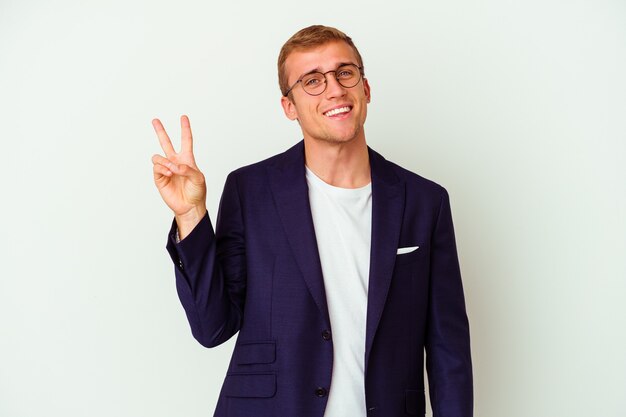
{"points": [[517, 108]]}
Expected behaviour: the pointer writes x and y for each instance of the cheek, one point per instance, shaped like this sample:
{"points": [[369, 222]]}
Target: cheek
{"points": [[309, 113]]}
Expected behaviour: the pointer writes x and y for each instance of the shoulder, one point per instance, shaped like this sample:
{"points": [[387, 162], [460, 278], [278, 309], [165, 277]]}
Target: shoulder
{"points": [[415, 184], [255, 173]]}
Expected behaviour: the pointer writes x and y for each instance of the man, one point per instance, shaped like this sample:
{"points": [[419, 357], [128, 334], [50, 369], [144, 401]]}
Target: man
{"points": [[337, 267]]}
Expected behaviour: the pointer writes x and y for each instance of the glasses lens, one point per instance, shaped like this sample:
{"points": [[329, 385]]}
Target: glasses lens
{"points": [[314, 83], [348, 75]]}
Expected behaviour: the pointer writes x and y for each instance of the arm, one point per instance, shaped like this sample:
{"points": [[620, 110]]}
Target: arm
{"points": [[210, 269], [448, 358], [210, 272]]}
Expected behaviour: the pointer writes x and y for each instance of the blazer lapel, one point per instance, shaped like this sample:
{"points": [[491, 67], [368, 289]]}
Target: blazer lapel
{"points": [[291, 195], [387, 212]]}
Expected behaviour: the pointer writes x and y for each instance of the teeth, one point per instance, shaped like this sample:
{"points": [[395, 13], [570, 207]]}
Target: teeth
{"points": [[337, 111]]}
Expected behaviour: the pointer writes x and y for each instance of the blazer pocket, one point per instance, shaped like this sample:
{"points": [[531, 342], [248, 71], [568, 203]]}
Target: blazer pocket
{"points": [[409, 257], [250, 385], [415, 402], [255, 353]]}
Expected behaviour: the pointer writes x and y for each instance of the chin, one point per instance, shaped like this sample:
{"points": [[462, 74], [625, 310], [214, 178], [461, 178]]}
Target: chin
{"points": [[347, 136], [337, 136], [338, 139]]}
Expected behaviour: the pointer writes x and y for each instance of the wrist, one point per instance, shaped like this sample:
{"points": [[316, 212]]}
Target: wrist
{"points": [[186, 222]]}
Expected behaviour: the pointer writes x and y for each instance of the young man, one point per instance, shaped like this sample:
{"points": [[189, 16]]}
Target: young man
{"points": [[337, 267]]}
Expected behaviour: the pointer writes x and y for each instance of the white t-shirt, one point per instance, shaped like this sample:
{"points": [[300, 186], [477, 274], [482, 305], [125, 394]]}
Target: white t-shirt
{"points": [[342, 218]]}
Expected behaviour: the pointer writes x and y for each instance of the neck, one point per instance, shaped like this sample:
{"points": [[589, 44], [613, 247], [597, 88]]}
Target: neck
{"points": [[344, 165]]}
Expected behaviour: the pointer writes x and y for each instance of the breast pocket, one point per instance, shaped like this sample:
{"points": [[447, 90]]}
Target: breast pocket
{"points": [[410, 257]]}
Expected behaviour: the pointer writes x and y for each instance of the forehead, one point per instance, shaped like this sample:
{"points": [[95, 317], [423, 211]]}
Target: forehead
{"points": [[325, 57]]}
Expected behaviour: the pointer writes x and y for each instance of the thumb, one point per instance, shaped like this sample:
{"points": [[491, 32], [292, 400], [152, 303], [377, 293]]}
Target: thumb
{"points": [[192, 174]]}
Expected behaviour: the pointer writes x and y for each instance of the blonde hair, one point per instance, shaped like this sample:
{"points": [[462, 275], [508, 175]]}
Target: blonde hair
{"points": [[308, 38]]}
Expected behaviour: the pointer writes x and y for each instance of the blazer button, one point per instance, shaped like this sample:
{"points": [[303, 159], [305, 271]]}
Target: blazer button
{"points": [[326, 335], [321, 392]]}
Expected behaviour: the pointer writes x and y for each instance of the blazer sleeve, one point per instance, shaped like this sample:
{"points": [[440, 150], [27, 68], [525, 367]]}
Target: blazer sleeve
{"points": [[448, 357], [210, 270]]}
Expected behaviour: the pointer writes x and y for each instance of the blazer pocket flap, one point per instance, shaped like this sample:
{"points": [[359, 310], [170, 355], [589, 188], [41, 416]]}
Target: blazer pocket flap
{"points": [[255, 353], [250, 385]]}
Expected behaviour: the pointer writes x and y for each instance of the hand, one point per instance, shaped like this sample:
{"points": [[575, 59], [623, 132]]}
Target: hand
{"points": [[178, 179]]}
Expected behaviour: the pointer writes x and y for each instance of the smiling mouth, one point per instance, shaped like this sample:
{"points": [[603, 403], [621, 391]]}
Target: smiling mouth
{"points": [[338, 111]]}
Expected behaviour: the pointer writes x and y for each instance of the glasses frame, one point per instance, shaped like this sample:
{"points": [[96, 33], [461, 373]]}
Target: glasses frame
{"points": [[360, 68]]}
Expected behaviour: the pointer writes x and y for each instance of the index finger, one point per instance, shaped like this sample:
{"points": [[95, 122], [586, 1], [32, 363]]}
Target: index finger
{"points": [[186, 141], [164, 140]]}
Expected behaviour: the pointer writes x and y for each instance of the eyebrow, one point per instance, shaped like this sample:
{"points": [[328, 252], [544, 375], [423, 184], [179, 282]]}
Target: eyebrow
{"points": [[318, 69]]}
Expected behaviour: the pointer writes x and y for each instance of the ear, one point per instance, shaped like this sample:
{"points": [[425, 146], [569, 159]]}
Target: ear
{"points": [[366, 88], [289, 107]]}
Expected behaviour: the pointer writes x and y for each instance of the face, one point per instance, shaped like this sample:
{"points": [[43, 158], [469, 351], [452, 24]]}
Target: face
{"points": [[338, 114]]}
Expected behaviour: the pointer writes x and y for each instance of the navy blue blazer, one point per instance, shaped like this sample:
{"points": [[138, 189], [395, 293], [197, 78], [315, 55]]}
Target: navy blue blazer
{"points": [[260, 274]]}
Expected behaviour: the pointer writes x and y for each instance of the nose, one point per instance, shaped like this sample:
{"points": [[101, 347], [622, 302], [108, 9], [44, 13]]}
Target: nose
{"points": [[333, 88]]}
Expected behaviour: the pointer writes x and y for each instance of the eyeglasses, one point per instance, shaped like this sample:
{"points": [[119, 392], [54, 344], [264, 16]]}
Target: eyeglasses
{"points": [[314, 83]]}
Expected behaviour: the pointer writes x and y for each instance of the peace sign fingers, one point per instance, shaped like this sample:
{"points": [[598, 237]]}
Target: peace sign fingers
{"points": [[186, 137], [179, 181], [164, 140]]}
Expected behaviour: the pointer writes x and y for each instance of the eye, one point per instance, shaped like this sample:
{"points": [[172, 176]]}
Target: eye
{"points": [[345, 73], [313, 81]]}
